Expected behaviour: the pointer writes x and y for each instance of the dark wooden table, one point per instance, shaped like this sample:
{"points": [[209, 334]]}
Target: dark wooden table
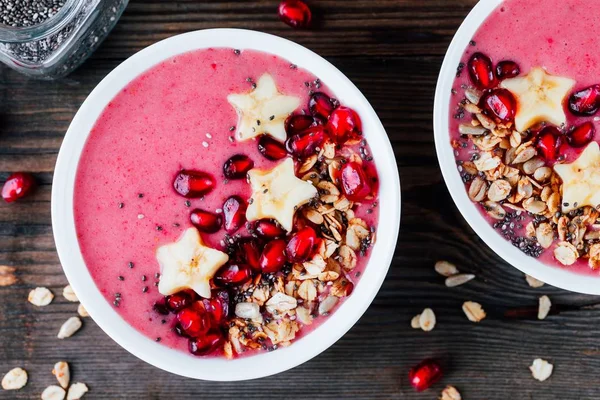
{"points": [[392, 50]]}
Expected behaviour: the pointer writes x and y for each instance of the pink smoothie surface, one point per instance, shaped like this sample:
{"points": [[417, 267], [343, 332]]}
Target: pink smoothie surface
{"points": [[173, 116], [535, 33]]}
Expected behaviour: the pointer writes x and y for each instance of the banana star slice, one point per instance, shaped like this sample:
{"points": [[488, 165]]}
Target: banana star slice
{"points": [[540, 98], [188, 264], [263, 110], [581, 180], [277, 194]]}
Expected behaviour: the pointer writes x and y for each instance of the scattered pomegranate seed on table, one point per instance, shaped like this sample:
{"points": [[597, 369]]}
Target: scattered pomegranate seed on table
{"points": [[295, 13], [17, 185], [425, 374]]}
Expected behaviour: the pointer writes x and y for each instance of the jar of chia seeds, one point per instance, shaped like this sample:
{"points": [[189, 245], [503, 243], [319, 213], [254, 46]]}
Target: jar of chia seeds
{"points": [[48, 39]]}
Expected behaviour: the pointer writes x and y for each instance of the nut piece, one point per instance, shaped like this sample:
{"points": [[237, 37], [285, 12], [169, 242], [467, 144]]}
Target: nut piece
{"points": [[477, 190], [544, 307], [62, 374], [499, 190], [415, 322], [14, 379], [445, 268], [40, 296], [541, 369], [53, 392], [247, 310], [450, 393], [69, 294], [76, 391], [82, 311], [71, 326], [473, 311], [534, 283], [458, 280], [427, 320], [566, 253]]}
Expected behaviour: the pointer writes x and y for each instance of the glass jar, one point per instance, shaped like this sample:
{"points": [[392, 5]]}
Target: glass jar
{"points": [[58, 45]]}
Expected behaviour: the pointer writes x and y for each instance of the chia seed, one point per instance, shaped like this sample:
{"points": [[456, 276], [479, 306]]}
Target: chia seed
{"points": [[188, 203], [121, 278], [121, 205], [130, 264], [145, 289], [19, 14]]}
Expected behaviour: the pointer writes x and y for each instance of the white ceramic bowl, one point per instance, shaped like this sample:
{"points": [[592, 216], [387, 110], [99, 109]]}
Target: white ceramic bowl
{"points": [[559, 277], [263, 364]]}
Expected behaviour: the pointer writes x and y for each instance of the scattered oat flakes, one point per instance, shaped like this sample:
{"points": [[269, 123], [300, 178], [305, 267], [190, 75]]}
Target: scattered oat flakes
{"points": [[445, 268], [69, 294], [40, 296], [53, 392], [62, 373], [534, 283], [544, 307], [14, 379], [457, 280], [541, 369], [82, 311], [76, 391], [473, 311], [450, 393], [415, 322], [71, 326], [427, 320]]}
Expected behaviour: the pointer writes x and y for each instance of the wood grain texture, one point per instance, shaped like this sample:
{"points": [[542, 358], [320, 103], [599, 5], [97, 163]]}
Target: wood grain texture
{"points": [[392, 50]]}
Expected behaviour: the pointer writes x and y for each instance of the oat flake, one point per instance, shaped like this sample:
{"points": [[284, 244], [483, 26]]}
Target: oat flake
{"points": [[541, 369], [473, 311], [450, 393], [53, 392], [544, 307], [14, 379], [40, 296], [427, 320]]}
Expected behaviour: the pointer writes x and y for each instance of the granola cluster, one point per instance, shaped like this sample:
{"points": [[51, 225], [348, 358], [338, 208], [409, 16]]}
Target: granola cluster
{"points": [[518, 190], [271, 309]]}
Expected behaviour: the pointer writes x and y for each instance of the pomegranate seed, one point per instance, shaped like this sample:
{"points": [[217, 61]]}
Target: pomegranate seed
{"points": [[178, 301], [206, 221], [500, 105], [272, 258], [194, 321], [295, 13], [549, 142], [299, 123], [425, 374], [301, 245], [233, 274], [320, 105], [179, 331], [237, 166], [344, 123], [481, 71], [268, 229], [160, 308], [354, 182], [307, 143], [205, 344], [17, 185], [193, 183], [271, 148], [585, 101], [582, 135], [234, 210], [217, 306], [507, 69], [249, 251]]}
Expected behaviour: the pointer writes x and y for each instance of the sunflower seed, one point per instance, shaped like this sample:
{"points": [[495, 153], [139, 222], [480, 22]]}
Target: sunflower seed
{"points": [[458, 280], [14, 379], [53, 392], [544, 307], [71, 326], [427, 320], [450, 393], [446, 268], [473, 311], [534, 283], [62, 373], [76, 391], [69, 294]]}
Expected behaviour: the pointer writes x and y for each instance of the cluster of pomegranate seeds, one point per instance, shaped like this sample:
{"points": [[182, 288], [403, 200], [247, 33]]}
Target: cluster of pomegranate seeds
{"points": [[234, 210], [585, 102], [295, 13], [193, 184], [206, 221], [425, 374], [237, 166], [17, 185]]}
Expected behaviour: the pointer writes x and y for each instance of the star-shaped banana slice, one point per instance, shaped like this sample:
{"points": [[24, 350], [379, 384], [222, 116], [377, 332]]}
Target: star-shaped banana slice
{"points": [[540, 98], [277, 194], [263, 110], [581, 180], [188, 264]]}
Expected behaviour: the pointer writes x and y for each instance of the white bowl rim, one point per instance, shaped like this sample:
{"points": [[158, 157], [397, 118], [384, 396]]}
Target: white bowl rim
{"points": [[174, 361], [555, 276]]}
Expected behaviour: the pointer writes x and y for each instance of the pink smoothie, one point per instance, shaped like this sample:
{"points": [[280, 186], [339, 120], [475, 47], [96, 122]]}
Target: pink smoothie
{"points": [[534, 33], [174, 116]]}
